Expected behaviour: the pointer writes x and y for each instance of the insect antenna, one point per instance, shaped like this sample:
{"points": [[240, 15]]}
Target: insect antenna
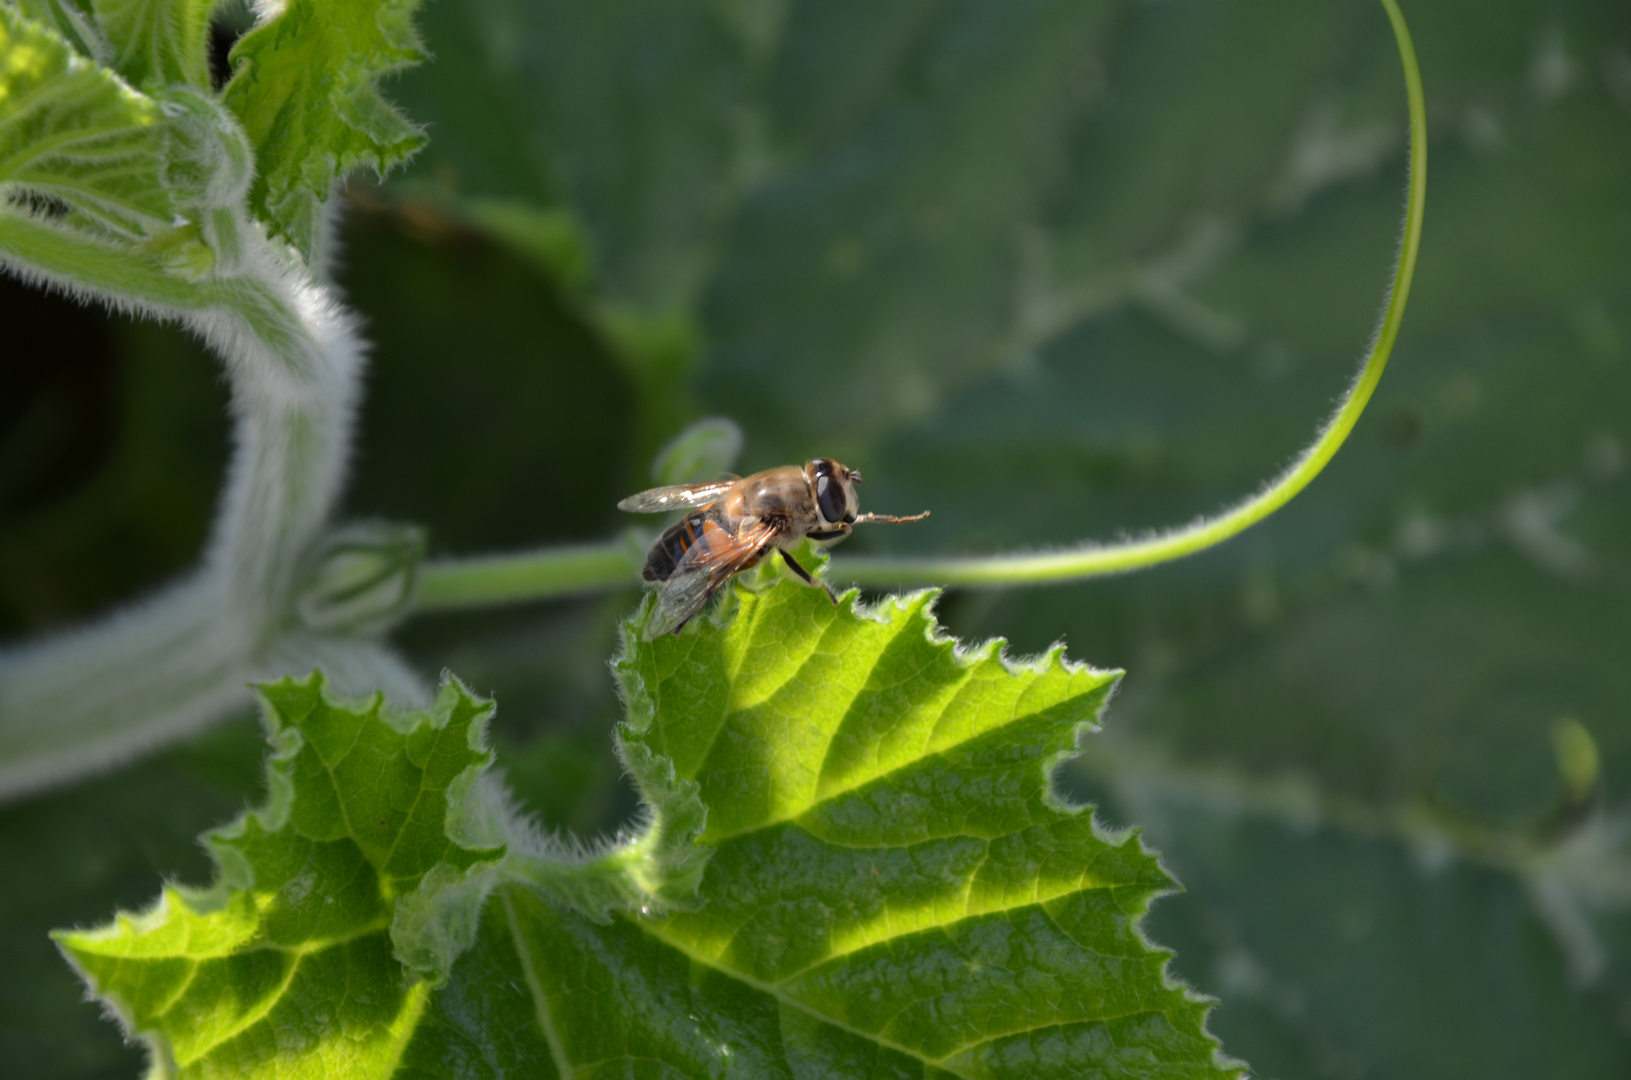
{"points": [[889, 519]]}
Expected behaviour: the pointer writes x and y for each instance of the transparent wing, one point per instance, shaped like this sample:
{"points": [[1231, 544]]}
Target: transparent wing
{"points": [[675, 497], [711, 562], [681, 597]]}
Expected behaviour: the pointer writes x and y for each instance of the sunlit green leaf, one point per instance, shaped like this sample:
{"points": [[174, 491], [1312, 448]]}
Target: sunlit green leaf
{"points": [[893, 879], [885, 882], [292, 950], [73, 133]]}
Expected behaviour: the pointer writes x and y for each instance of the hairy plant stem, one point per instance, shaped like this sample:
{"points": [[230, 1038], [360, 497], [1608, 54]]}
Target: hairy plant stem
{"points": [[565, 571], [91, 697]]}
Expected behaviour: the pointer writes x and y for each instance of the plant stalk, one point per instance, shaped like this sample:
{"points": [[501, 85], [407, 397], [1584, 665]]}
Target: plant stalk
{"points": [[87, 699]]}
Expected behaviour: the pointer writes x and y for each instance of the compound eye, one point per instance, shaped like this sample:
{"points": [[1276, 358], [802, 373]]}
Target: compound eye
{"points": [[830, 499]]}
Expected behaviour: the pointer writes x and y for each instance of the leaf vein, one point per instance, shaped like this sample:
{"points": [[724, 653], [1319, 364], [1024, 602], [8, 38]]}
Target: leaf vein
{"points": [[837, 793], [862, 946], [774, 990], [262, 1010], [546, 1022]]}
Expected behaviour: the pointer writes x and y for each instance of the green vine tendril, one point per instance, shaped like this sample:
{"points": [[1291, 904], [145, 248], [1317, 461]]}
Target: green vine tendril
{"points": [[448, 583]]}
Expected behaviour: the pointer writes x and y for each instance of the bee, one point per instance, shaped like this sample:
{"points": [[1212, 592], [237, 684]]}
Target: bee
{"points": [[734, 524]]}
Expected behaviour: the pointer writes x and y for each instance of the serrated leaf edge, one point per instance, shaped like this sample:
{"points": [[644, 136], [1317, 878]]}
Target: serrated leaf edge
{"points": [[917, 605]]}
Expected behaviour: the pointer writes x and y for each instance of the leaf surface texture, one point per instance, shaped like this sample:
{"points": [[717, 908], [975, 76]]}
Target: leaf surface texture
{"points": [[304, 85], [890, 887]]}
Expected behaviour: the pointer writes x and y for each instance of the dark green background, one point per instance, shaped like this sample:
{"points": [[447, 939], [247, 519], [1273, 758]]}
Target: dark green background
{"points": [[1056, 270]]}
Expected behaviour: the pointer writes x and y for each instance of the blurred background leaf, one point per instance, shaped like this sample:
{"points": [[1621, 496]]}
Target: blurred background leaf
{"points": [[1056, 271]]}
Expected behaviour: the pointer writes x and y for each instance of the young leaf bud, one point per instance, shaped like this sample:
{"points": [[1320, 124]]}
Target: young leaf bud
{"points": [[361, 578]]}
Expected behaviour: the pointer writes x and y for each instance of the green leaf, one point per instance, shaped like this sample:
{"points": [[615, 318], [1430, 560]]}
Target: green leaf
{"points": [[137, 196], [844, 188], [887, 884], [894, 881], [292, 948], [114, 190], [158, 42], [72, 132], [894, 890], [304, 85]]}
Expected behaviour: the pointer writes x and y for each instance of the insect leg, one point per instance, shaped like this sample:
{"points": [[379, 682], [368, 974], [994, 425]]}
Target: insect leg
{"points": [[792, 564]]}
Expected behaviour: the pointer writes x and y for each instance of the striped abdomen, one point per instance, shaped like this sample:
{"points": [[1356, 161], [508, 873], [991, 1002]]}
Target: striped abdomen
{"points": [[676, 540]]}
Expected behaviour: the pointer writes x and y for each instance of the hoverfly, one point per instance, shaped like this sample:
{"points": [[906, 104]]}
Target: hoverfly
{"points": [[735, 523]]}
